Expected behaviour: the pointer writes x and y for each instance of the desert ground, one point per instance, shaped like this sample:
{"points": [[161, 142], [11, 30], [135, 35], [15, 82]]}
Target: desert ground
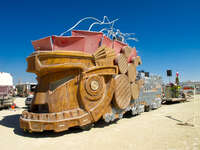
{"points": [[154, 130]]}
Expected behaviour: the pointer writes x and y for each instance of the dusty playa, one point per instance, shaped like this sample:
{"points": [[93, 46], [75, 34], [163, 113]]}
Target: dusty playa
{"points": [[154, 130]]}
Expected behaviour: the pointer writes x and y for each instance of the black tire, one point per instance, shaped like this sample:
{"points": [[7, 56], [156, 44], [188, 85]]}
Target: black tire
{"points": [[147, 108], [183, 95], [87, 127]]}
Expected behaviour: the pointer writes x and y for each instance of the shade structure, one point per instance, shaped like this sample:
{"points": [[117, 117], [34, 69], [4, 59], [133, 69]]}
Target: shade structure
{"points": [[68, 43], [118, 46], [92, 39], [107, 42], [85, 41], [44, 44]]}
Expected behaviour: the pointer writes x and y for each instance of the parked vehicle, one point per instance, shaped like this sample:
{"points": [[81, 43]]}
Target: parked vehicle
{"points": [[6, 90], [151, 91], [173, 92], [28, 101], [83, 78]]}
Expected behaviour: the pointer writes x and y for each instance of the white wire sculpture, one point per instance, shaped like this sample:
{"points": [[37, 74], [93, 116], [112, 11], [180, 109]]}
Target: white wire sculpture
{"points": [[110, 32]]}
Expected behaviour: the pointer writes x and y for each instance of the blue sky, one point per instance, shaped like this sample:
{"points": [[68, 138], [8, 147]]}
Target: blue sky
{"points": [[168, 31]]}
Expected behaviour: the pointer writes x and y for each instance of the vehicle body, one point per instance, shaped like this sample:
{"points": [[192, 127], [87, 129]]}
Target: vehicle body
{"points": [[151, 91], [83, 78], [172, 93], [28, 101], [6, 90], [79, 82]]}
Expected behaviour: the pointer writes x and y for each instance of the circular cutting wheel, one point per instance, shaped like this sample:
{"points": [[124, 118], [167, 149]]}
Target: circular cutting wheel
{"points": [[94, 87], [122, 62], [135, 91], [122, 95], [131, 72]]}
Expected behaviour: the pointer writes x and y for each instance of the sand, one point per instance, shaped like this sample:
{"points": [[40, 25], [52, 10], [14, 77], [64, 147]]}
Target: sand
{"points": [[154, 130]]}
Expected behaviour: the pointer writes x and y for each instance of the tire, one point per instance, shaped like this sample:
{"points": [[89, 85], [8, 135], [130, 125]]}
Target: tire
{"points": [[87, 127]]}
